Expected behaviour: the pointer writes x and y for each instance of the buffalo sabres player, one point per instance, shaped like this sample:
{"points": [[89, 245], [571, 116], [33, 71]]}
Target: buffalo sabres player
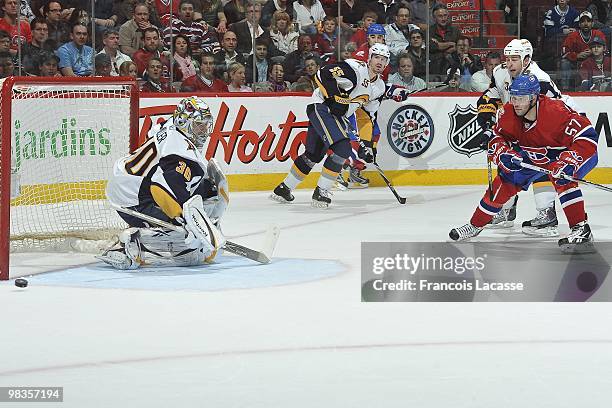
{"points": [[342, 89], [518, 55], [538, 130], [168, 178]]}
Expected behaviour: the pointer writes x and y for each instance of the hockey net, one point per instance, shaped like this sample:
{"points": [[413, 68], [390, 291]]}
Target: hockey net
{"points": [[60, 139]]}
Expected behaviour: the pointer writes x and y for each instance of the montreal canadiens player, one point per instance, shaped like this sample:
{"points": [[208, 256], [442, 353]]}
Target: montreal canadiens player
{"points": [[518, 55], [342, 89], [547, 133], [168, 178]]}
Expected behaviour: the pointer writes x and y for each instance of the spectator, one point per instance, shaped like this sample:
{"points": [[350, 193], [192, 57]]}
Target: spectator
{"points": [[124, 10], [327, 41], [262, 63], [151, 48], [48, 65], [294, 62], [561, 19], [111, 48], [417, 52], [236, 75], [308, 14], [376, 34], [30, 54], [481, 80], [76, 58], [468, 63], [103, 65], [235, 11], [154, 81], [452, 79], [213, 15], [163, 11], [276, 78], [201, 36], [8, 23], [360, 36], [347, 51], [576, 49], [128, 69], [351, 12], [7, 67], [444, 38], [282, 34], [311, 66], [131, 32], [58, 29], [595, 70], [104, 16], [601, 10], [205, 81], [398, 33], [244, 29], [419, 12], [385, 10], [228, 54], [271, 7], [184, 65], [405, 75]]}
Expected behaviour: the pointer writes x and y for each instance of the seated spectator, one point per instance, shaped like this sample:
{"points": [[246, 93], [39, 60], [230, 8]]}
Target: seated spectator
{"points": [[398, 33], [376, 34], [327, 41], [236, 74], [228, 54], [347, 51], [576, 49], [154, 81], [360, 36], [76, 58], [235, 11], [205, 81], [294, 62], [8, 23], [111, 48], [103, 65], [151, 48], [7, 68], [164, 12], [30, 53], [276, 77], [47, 65], [468, 63], [131, 32], [419, 12], [595, 70], [405, 75], [560, 20], [201, 36], [452, 79], [213, 15], [351, 12], [59, 30], [385, 10], [271, 7], [308, 14], [128, 69], [444, 38], [311, 66], [601, 10], [417, 52], [481, 80], [262, 63], [244, 30], [282, 33], [184, 66]]}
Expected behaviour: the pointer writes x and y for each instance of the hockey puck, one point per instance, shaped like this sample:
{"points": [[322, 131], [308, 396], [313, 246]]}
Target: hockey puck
{"points": [[21, 283]]}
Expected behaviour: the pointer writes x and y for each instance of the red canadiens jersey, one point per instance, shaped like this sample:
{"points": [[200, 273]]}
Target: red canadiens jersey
{"points": [[557, 128]]}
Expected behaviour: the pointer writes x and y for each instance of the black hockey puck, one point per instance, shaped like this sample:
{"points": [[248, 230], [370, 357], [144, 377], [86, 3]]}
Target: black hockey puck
{"points": [[21, 283]]}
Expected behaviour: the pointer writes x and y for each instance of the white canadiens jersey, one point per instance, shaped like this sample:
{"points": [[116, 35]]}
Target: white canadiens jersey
{"points": [[500, 85], [143, 166], [353, 77]]}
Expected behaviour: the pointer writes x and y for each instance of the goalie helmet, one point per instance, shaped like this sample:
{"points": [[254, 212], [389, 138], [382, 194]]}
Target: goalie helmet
{"points": [[193, 117], [519, 47], [379, 49]]}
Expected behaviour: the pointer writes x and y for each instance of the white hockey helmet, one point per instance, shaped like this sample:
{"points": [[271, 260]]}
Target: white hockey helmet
{"points": [[519, 47], [379, 49], [193, 117]]}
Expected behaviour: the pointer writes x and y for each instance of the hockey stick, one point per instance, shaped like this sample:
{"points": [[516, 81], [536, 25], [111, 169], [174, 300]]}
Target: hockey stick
{"points": [[261, 257], [565, 176], [402, 200]]}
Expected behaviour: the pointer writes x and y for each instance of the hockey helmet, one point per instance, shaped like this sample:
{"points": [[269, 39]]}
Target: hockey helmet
{"points": [[519, 47], [379, 49], [525, 85], [375, 29], [193, 117]]}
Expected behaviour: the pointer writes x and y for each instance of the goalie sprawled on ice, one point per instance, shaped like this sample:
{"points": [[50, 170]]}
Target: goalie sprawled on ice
{"points": [[169, 179]]}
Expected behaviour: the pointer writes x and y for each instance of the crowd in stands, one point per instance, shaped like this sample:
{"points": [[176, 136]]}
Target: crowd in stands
{"points": [[207, 45]]}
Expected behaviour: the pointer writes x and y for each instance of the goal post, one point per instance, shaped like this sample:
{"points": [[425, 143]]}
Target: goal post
{"points": [[59, 140]]}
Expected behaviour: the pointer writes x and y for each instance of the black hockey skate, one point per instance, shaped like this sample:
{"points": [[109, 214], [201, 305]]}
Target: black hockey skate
{"points": [[544, 224], [321, 198], [464, 232], [579, 241], [282, 194], [505, 217]]}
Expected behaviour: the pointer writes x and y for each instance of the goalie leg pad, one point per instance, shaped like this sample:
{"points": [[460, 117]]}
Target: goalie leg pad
{"points": [[216, 206]]}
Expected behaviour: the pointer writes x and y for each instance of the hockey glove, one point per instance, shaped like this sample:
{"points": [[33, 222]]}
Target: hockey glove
{"points": [[567, 163], [501, 154], [397, 93], [487, 108], [483, 139], [365, 152], [338, 104]]}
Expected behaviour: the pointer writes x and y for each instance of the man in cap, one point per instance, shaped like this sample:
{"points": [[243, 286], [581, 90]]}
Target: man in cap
{"points": [[595, 70]]}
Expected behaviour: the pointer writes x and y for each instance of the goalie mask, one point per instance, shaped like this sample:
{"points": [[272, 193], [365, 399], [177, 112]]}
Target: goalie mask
{"points": [[192, 117]]}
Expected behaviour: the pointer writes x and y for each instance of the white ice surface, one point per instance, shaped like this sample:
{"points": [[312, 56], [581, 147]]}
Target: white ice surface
{"points": [[311, 343]]}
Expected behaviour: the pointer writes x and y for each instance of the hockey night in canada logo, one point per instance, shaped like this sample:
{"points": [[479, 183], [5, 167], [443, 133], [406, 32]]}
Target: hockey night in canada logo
{"points": [[410, 131], [463, 131]]}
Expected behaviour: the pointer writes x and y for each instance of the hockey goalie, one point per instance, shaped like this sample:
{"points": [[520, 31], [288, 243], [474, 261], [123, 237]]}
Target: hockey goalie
{"points": [[169, 179]]}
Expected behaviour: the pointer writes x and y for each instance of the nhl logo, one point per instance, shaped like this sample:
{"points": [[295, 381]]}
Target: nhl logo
{"points": [[463, 131], [410, 131]]}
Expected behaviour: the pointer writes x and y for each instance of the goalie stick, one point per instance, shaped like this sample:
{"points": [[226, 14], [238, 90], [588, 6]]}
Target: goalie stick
{"points": [[262, 257], [565, 176], [402, 200]]}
